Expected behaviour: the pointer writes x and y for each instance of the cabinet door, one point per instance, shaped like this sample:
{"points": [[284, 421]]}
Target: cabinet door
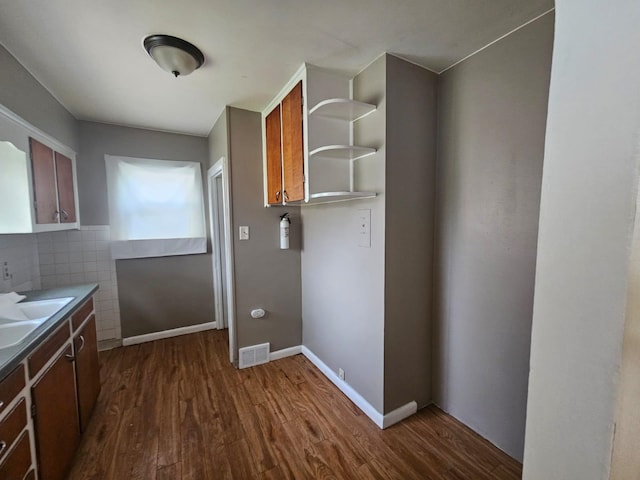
{"points": [[44, 182], [56, 418], [274, 157], [292, 145], [18, 461], [87, 370], [66, 196]]}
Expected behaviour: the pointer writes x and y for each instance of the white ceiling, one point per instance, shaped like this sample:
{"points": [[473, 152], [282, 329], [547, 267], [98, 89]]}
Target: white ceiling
{"points": [[89, 54]]}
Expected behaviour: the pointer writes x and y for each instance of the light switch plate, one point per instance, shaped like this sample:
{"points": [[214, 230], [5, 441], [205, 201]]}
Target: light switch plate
{"points": [[364, 228], [244, 232]]}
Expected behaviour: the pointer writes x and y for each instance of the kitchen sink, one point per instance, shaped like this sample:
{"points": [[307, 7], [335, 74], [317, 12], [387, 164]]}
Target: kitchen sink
{"points": [[40, 310], [14, 332], [20, 319]]}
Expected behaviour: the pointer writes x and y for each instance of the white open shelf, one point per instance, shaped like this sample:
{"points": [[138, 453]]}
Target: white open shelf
{"points": [[330, 197], [345, 152], [342, 108]]}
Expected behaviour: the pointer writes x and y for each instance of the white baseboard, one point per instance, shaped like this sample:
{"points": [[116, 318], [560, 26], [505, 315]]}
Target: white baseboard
{"points": [[382, 421], [399, 414], [285, 352], [174, 332]]}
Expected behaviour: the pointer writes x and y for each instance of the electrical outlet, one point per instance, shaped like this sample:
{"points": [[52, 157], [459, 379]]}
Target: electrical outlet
{"points": [[244, 232], [5, 271], [341, 374]]}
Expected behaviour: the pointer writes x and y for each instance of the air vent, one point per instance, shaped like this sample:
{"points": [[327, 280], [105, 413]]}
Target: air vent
{"points": [[254, 355]]}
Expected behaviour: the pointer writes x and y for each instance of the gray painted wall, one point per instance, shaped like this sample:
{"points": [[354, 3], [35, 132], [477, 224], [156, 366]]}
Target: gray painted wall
{"points": [[218, 148], [99, 139], [589, 186], [219, 138], [156, 276], [162, 293], [492, 114], [409, 204], [26, 97], [265, 276], [342, 283]]}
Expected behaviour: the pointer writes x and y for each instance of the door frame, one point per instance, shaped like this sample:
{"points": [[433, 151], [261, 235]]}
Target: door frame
{"points": [[221, 169]]}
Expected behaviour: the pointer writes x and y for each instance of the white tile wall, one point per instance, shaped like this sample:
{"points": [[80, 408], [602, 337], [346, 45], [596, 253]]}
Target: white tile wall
{"points": [[21, 254], [82, 256]]}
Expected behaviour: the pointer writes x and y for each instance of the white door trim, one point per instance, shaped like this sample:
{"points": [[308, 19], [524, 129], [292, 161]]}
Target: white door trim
{"points": [[221, 168]]}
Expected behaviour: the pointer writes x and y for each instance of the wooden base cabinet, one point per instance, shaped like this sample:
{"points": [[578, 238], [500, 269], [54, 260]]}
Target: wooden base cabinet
{"points": [[57, 428], [87, 370], [62, 377], [18, 461]]}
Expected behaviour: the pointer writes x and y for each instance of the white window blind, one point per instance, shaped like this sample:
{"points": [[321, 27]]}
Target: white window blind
{"points": [[156, 207]]}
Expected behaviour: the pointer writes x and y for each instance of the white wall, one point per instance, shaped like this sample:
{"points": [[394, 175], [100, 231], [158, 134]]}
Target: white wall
{"points": [[586, 218]]}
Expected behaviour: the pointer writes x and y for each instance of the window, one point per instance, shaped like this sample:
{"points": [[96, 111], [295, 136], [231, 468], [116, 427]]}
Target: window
{"points": [[155, 206]]}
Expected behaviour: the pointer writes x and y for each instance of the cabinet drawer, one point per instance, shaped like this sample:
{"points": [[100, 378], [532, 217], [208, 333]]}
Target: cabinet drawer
{"points": [[11, 427], [82, 314], [43, 354], [11, 386], [18, 461]]}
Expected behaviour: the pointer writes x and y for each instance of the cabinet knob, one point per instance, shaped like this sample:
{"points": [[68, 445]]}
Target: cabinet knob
{"points": [[69, 357], [65, 215], [56, 215], [278, 195], [285, 196], [3, 446]]}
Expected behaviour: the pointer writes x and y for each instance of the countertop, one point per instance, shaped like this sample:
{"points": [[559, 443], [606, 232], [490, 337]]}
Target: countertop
{"points": [[11, 357]]}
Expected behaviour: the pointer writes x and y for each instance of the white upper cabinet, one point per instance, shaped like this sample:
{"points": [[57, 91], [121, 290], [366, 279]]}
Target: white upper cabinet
{"points": [[38, 187]]}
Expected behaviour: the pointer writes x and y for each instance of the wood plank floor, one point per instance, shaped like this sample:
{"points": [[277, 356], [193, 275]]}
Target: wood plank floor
{"points": [[175, 409]]}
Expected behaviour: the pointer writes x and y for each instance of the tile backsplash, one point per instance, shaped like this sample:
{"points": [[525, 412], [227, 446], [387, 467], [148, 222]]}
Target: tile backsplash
{"points": [[56, 259], [83, 256], [20, 252]]}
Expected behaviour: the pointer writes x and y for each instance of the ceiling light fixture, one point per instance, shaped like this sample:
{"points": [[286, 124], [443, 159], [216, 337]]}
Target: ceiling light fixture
{"points": [[173, 54]]}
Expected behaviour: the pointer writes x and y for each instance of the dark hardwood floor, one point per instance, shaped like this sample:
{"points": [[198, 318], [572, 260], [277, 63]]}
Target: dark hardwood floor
{"points": [[176, 409]]}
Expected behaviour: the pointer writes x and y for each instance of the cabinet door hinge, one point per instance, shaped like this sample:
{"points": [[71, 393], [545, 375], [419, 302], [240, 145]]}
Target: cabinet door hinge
{"points": [[33, 410]]}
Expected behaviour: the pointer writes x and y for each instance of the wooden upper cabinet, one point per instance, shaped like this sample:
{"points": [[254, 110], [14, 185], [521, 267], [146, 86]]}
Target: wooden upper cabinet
{"points": [[53, 186], [274, 156], [293, 145], [66, 197], [44, 182]]}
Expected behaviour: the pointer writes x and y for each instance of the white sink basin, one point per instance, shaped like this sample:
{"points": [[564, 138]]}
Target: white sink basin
{"points": [[13, 333], [20, 319], [40, 310]]}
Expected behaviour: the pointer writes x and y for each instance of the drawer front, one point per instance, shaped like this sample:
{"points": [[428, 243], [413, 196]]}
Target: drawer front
{"points": [[11, 427], [43, 354], [82, 314], [11, 386], [18, 462]]}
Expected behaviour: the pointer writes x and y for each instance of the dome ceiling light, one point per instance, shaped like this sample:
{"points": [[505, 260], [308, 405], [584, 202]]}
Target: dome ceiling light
{"points": [[173, 54]]}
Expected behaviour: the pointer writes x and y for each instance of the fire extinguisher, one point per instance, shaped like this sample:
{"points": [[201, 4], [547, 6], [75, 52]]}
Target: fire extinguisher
{"points": [[284, 231]]}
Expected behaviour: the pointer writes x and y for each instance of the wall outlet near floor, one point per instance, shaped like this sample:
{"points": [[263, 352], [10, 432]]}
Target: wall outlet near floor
{"points": [[341, 374], [6, 274]]}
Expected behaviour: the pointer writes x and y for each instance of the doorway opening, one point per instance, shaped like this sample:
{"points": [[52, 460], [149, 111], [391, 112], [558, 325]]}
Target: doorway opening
{"points": [[222, 249]]}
